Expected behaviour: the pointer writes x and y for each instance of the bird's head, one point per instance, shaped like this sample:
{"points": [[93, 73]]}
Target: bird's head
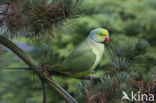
{"points": [[99, 35]]}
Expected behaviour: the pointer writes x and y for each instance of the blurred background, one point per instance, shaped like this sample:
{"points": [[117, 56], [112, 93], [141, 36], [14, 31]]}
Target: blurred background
{"points": [[124, 19]]}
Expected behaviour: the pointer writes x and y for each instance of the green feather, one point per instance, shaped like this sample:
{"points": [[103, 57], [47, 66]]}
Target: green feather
{"points": [[79, 61], [84, 59]]}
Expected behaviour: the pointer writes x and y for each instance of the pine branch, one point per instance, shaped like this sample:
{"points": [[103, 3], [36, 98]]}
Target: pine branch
{"points": [[51, 73], [134, 83], [27, 59], [44, 90], [21, 68], [77, 1], [36, 68], [39, 15]]}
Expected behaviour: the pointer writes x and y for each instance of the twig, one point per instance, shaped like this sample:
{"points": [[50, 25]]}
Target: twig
{"points": [[21, 68], [6, 10], [64, 16], [6, 14], [91, 78], [27, 59], [43, 81], [77, 1], [139, 53], [68, 97], [134, 83]]}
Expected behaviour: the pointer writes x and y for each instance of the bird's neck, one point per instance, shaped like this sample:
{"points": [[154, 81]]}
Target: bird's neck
{"points": [[90, 39], [96, 45], [97, 48]]}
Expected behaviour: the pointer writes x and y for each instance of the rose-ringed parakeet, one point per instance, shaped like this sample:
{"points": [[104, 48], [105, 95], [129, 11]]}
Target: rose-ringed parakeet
{"points": [[84, 59]]}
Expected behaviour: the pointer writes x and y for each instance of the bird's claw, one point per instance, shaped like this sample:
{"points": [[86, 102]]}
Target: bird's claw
{"points": [[90, 78]]}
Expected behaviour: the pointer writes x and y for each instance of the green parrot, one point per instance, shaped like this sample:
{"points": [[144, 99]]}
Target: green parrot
{"points": [[84, 59]]}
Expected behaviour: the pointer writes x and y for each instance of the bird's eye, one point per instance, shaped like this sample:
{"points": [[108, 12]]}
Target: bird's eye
{"points": [[101, 34]]}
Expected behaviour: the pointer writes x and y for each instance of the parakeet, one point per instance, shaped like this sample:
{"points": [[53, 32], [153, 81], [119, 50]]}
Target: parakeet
{"points": [[84, 59]]}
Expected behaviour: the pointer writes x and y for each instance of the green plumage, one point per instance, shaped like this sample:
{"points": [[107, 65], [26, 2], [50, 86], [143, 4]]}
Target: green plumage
{"points": [[79, 61], [84, 59]]}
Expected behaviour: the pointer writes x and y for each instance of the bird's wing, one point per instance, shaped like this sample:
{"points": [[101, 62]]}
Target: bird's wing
{"points": [[79, 60]]}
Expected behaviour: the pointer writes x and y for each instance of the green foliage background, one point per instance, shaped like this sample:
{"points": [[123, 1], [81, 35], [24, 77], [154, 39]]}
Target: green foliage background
{"points": [[125, 19]]}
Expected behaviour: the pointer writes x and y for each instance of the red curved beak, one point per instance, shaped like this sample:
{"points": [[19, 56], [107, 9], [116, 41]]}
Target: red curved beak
{"points": [[107, 39]]}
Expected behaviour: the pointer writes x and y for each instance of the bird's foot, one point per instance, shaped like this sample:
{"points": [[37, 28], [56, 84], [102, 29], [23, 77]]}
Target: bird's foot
{"points": [[90, 78]]}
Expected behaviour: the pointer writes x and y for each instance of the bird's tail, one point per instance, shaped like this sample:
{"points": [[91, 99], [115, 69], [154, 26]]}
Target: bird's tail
{"points": [[52, 70]]}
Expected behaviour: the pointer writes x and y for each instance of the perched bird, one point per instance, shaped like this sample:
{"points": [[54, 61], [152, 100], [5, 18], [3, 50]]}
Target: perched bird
{"points": [[84, 59]]}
